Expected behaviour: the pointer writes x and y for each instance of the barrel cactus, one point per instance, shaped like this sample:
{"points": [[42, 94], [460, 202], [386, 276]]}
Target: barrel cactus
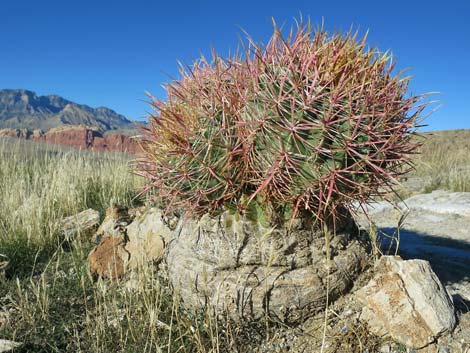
{"points": [[301, 127]]}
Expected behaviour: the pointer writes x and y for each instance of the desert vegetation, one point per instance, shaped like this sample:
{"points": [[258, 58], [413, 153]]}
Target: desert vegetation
{"points": [[254, 138], [444, 162], [302, 126], [47, 296]]}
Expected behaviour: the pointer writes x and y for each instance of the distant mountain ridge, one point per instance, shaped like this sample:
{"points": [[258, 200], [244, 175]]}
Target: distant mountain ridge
{"points": [[23, 109]]}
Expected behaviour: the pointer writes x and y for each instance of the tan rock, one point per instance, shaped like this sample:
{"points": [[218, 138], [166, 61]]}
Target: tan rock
{"points": [[140, 237], [37, 133], [114, 223], [109, 258], [81, 222], [407, 301], [147, 237], [238, 267]]}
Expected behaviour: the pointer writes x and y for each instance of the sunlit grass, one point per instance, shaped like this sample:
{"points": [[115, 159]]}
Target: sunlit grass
{"points": [[41, 184], [52, 304], [445, 161], [50, 300]]}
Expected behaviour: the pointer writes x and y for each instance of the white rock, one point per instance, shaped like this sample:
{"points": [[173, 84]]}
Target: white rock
{"points": [[442, 202], [407, 301], [6, 345], [147, 237], [439, 201]]}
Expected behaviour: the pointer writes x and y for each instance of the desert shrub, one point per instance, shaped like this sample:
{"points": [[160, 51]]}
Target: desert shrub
{"points": [[303, 126]]}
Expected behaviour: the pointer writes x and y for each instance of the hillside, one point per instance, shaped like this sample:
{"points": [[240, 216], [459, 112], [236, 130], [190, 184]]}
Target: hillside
{"points": [[78, 136], [23, 109]]}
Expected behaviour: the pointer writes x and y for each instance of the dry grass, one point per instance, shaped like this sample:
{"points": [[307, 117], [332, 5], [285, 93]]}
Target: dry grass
{"points": [[48, 299], [445, 161]]}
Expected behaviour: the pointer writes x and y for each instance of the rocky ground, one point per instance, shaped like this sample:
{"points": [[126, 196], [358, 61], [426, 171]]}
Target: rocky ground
{"points": [[434, 227]]}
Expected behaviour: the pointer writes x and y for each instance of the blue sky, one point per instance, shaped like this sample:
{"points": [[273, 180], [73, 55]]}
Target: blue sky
{"points": [[108, 53]]}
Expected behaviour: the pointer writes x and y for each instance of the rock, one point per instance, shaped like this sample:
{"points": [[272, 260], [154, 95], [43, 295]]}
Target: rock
{"points": [[78, 136], [435, 229], [14, 133], [438, 202], [407, 301], [88, 137], [36, 134], [7, 346], [240, 268], [79, 223], [128, 239], [147, 237], [108, 259], [442, 202], [116, 220]]}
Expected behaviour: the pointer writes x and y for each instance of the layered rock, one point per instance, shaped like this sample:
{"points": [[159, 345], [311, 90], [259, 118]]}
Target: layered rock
{"points": [[231, 265], [81, 137], [128, 239], [237, 267], [407, 301]]}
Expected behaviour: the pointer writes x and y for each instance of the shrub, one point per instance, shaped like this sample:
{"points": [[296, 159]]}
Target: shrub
{"points": [[300, 127]]}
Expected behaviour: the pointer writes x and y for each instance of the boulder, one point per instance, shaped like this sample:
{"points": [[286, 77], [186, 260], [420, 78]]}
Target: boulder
{"points": [[8, 346], [407, 301], [237, 267], [147, 236], [128, 239], [108, 259]]}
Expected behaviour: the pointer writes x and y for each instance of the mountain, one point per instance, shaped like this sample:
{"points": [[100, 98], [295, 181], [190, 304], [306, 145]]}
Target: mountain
{"points": [[23, 109]]}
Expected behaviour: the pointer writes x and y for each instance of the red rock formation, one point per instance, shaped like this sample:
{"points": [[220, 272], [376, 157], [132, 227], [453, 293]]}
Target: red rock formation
{"points": [[80, 137]]}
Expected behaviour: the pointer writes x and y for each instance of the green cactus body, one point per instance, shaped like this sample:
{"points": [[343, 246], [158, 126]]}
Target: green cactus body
{"points": [[302, 126]]}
